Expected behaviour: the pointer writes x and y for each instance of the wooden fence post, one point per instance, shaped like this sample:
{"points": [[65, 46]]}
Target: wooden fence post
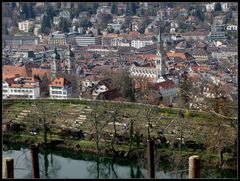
{"points": [[194, 166], [8, 167], [35, 165], [150, 155]]}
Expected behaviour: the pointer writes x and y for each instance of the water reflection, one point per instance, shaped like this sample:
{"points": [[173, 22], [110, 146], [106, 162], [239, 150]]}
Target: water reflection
{"points": [[61, 164]]}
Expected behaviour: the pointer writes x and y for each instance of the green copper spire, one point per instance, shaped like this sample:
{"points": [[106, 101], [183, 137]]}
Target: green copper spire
{"points": [[56, 55]]}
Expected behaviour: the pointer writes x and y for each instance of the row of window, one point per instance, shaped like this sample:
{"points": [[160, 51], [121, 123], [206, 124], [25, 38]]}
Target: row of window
{"points": [[57, 92], [63, 97], [22, 90]]}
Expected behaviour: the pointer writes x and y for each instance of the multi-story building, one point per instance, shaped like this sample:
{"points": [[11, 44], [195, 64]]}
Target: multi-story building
{"points": [[225, 7], [210, 7], [217, 33], [56, 20], [232, 27], [85, 40], [114, 26], [194, 36], [36, 29], [120, 42], [224, 54], [21, 87], [19, 40], [168, 90], [60, 88], [141, 43], [65, 14], [57, 39], [25, 25]]}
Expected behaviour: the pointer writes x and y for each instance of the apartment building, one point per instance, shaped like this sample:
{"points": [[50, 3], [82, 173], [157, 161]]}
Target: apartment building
{"points": [[20, 87], [141, 43], [168, 90], [194, 36], [85, 40], [57, 39], [19, 40], [217, 33], [60, 88], [114, 26], [25, 25]]}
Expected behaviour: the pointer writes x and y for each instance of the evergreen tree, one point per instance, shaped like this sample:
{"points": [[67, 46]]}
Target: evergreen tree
{"points": [[199, 14], [133, 8], [63, 25], [94, 7], [218, 7], [50, 12], [184, 94], [45, 23], [24, 13], [114, 9], [13, 5], [30, 11]]}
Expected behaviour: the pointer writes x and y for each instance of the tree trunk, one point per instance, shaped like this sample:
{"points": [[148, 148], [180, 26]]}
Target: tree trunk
{"points": [[131, 133], [221, 159], [45, 130]]}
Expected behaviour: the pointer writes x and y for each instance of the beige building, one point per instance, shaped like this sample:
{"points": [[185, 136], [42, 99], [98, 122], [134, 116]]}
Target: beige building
{"points": [[194, 36], [25, 25]]}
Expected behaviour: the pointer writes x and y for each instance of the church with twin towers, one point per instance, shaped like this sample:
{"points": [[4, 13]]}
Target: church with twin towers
{"points": [[152, 72]]}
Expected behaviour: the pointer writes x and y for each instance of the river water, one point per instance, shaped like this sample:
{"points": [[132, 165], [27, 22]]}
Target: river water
{"points": [[60, 164]]}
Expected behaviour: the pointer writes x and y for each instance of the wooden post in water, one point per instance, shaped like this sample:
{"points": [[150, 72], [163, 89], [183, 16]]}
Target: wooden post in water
{"points": [[150, 155], [35, 165], [8, 167], [194, 166]]}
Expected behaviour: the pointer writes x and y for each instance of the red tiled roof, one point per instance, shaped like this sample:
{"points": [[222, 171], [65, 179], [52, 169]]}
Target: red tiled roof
{"points": [[15, 70], [8, 76], [168, 84], [59, 82], [40, 72], [182, 55]]}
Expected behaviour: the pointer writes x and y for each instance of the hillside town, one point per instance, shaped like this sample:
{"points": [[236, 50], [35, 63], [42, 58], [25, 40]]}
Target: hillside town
{"points": [[149, 52]]}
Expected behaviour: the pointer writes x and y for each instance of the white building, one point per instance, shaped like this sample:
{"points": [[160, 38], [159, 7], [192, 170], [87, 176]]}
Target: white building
{"points": [[21, 87], [120, 42], [25, 25], [36, 29], [60, 88], [210, 7], [56, 20], [114, 26], [176, 37], [100, 87], [168, 90], [232, 27], [225, 7], [224, 54], [85, 40], [65, 14], [141, 43]]}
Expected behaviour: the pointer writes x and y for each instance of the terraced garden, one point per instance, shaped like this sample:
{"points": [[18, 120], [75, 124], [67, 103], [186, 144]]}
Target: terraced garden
{"points": [[76, 115]]}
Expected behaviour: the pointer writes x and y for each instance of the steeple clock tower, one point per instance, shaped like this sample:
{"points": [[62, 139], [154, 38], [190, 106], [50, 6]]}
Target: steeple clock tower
{"points": [[158, 59], [70, 64], [56, 64]]}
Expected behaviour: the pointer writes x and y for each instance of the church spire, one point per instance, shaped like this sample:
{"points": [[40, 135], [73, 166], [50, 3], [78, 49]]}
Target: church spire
{"points": [[159, 45]]}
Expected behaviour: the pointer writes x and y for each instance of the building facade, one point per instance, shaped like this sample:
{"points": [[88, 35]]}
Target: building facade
{"points": [[25, 25], [21, 87], [88, 40], [141, 43], [60, 88]]}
